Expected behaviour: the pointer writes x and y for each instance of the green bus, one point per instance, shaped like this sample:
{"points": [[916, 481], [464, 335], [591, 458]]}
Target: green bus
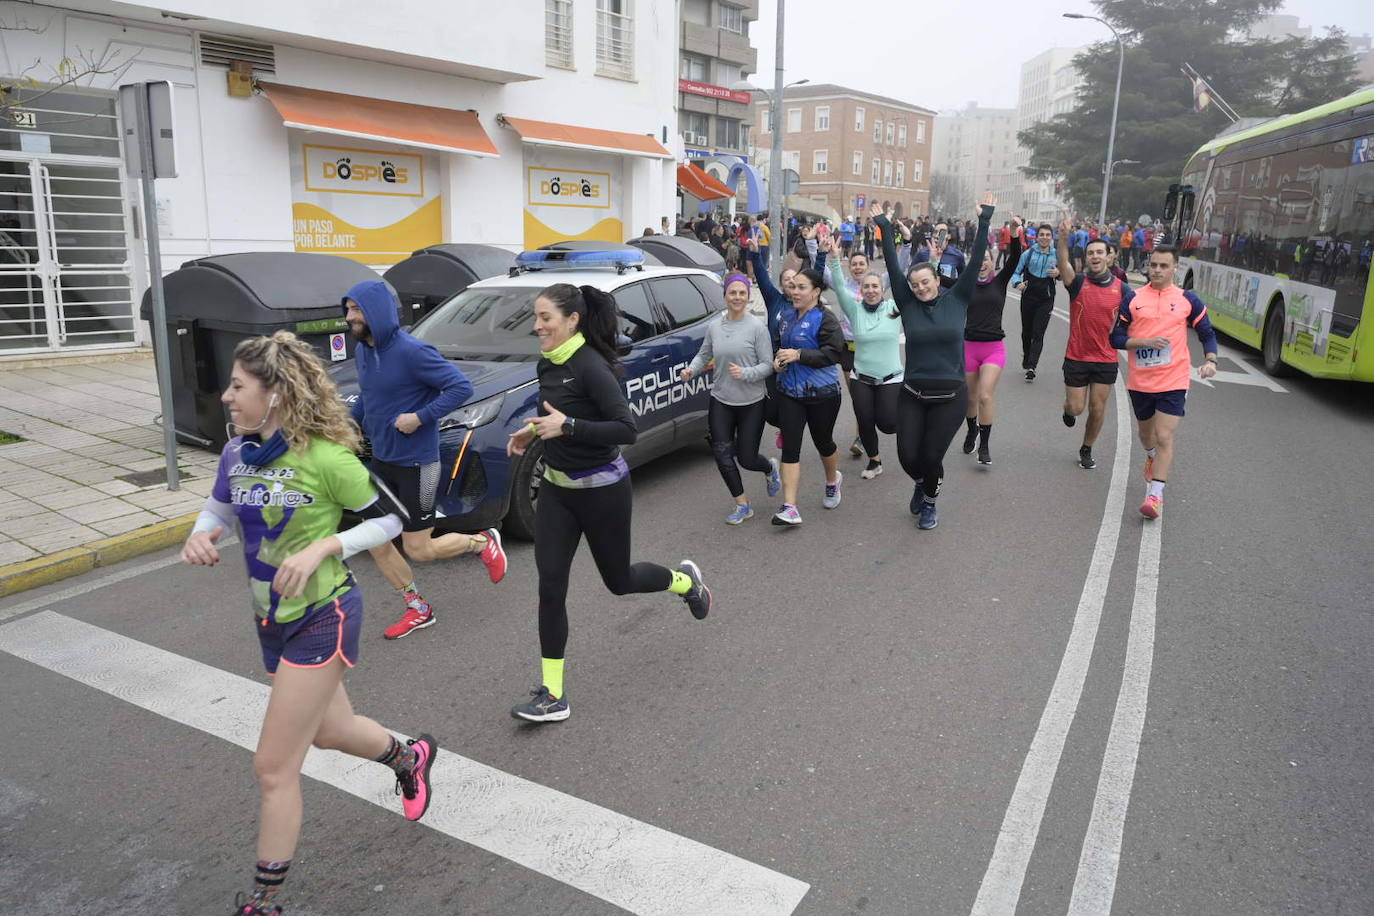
{"points": [[1275, 224]]}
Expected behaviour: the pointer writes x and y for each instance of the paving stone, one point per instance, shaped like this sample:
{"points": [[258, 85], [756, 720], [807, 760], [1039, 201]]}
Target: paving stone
{"points": [[15, 552], [65, 499], [152, 499], [68, 537], [32, 524], [18, 508], [97, 510], [116, 487], [122, 523]]}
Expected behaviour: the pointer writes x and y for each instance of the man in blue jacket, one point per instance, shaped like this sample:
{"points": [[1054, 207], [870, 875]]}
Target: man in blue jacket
{"points": [[405, 389], [1034, 277]]}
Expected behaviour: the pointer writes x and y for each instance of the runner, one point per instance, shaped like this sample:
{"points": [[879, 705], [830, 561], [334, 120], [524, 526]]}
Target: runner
{"points": [[935, 392], [941, 252], [405, 389], [1152, 329], [1090, 360], [876, 377], [583, 420], [858, 269], [1034, 277], [985, 348], [737, 343], [284, 480]]}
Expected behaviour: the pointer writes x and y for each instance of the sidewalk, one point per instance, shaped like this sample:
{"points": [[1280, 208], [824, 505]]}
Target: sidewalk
{"points": [[70, 497]]}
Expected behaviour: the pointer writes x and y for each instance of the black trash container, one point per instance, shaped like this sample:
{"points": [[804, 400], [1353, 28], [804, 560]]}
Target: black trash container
{"points": [[679, 252], [213, 303], [431, 275]]}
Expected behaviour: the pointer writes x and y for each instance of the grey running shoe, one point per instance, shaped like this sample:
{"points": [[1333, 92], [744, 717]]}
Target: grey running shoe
{"points": [[542, 707], [699, 599], [832, 492]]}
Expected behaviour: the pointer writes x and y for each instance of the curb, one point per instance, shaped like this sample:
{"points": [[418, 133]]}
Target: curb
{"points": [[22, 576]]}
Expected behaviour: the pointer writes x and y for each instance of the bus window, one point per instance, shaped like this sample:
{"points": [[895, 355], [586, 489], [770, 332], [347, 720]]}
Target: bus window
{"points": [[1351, 267]]}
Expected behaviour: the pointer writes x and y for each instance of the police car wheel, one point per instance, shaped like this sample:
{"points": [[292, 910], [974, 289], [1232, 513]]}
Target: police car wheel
{"points": [[526, 478]]}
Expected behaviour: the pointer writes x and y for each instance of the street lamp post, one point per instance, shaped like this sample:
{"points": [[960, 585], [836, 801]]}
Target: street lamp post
{"points": [[776, 191], [1116, 102]]}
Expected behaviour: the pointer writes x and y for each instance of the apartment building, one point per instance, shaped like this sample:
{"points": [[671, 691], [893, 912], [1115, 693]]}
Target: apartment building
{"points": [[1048, 85], [975, 150], [849, 148], [714, 117]]}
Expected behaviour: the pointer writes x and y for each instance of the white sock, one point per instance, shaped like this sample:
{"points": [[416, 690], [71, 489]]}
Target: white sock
{"points": [[1156, 489], [1150, 452]]}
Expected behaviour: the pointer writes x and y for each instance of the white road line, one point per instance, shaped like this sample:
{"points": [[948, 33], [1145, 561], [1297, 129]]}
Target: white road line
{"points": [[120, 574], [1001, 886], [1095, 884], [631, 864]]}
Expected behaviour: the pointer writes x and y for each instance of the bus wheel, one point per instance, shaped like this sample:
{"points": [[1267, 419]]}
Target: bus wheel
{"points": [[1273, 343]]}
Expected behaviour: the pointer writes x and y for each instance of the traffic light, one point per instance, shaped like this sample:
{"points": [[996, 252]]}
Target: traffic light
{"points": [[1058, 187]]}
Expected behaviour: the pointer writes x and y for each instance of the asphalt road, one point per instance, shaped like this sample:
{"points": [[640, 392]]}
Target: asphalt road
{"points": [[858, 714]]}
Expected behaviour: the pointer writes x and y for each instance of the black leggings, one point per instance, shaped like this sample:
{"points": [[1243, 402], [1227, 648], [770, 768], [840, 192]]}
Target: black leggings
{"points": [[795, 415], [561, 517], [735, 434], [875, 409], [924, 431], [1037, 303]]}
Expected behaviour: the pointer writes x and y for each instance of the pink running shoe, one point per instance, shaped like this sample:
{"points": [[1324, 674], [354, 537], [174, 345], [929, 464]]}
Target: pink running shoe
{"points": [[1152, 507], [414, 787], [494, 556]]}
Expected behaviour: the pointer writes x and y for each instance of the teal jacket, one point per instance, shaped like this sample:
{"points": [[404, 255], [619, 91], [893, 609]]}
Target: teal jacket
{"points": [[877, 334]]}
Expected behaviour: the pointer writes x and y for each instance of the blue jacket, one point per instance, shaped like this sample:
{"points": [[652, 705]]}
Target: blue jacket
{"points": [[1035, 262], [398, 374]]}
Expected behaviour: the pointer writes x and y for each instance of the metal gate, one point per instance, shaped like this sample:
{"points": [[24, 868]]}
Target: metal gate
{"points": [[65, 272]]}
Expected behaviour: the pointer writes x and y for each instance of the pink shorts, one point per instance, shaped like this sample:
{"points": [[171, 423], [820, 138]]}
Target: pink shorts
{"points": [[979, 352]]}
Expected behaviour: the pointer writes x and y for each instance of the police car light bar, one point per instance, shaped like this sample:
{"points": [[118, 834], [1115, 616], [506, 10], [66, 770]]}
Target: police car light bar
{"points": [[620, 260]]}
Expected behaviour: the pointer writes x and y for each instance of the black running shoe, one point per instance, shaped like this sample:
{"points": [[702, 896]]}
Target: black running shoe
{"points": [[699, 599], [1069, 419], [542, 707], [1030, 375], [984, 455], [1086, 461], [970, 440]]}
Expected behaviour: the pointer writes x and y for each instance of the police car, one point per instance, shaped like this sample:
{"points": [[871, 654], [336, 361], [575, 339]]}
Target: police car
{"points": [[487, 330]]}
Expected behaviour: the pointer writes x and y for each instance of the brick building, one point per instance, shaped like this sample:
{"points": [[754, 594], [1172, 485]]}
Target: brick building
{"points": [[846, 145]]}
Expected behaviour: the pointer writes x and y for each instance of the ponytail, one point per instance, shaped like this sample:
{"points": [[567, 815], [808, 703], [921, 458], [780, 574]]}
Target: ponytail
{"points": [[598, 323]]}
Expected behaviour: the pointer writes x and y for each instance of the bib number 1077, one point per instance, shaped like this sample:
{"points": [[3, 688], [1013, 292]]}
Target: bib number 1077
{"points": [[1152, 357]]}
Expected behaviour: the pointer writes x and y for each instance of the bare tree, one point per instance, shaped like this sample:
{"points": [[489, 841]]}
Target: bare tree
{"points": [[18, 94]]}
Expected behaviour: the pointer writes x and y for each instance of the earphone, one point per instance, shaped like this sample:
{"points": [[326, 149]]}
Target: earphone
{"points": [[272, 403], [230, 427]]}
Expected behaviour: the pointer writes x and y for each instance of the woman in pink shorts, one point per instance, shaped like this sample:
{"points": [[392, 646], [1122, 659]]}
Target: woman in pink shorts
{"points": [[985, 351]]}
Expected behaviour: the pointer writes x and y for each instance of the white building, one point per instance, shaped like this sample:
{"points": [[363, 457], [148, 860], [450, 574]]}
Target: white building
{"points": [[1048, 84], [369, 131], [976, 150]]}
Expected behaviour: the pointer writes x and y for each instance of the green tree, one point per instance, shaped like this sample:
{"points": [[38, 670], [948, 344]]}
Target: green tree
{"points": [[1156, 123]]}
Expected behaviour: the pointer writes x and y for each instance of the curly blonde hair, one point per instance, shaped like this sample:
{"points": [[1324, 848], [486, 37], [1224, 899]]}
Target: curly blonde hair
{"points": [[308, 402]]}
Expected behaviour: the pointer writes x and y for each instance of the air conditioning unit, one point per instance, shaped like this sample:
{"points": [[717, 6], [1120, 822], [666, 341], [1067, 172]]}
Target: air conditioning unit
{"points": [[700, 140]]}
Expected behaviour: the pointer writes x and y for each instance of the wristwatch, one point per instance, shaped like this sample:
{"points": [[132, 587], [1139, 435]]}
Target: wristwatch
{"points": [[568, 426]]}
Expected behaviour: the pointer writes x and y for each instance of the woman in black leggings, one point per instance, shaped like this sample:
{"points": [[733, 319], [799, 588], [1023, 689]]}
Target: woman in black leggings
{"points": [[583, 420], [934, 394]]}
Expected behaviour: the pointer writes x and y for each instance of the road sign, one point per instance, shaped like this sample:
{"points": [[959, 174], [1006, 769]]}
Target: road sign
{"points": [[338, 348], [859, 203], [158, 126]]}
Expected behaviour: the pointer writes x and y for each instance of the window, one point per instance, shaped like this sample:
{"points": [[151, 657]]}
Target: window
{"points": [[729, 133], [732, 18], [766, 119], [918, 171], [793, 120], [558, 33], [900, 178], [890, 127], [820, 161], [728, 75], [822, 117], [887, 172], [710, 290], [859, 119], [615, 39], [694, 68], [694, 128], [920, 131], [635, 314], [901, 135], [791, 159], [858, 162], [877, 130], [681, 301], [873, 175]]}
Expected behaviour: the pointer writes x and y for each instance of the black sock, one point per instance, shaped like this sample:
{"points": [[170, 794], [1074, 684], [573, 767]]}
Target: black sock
{"points": [[874, 463], [267, 880], [972, 424], [984, 434]]}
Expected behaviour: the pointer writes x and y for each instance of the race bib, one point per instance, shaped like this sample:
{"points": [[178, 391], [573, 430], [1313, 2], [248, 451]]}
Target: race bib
{"points": [[1153, 357]]}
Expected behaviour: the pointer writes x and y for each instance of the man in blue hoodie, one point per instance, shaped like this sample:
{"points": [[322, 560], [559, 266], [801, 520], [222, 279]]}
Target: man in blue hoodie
{"points": [[405, 389]]}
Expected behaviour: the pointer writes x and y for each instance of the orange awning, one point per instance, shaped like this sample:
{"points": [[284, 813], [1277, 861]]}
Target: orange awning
{"points": [[380, 119], [700, 184], [547, 133]]}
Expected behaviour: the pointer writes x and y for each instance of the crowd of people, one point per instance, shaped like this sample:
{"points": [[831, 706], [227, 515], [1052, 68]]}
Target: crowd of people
{"points": [[918, 350]]}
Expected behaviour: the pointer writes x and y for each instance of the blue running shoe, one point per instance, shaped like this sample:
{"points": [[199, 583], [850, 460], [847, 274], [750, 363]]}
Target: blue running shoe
{"points": [[918, 499], [929, 517], [774, 479], [739, 515]]}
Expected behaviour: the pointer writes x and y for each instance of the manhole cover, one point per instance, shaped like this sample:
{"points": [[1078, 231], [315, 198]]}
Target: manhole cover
{"points": [[157, 478]]}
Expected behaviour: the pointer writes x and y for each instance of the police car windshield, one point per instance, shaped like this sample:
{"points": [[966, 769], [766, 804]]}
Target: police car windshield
{"points": [[495, 324]]}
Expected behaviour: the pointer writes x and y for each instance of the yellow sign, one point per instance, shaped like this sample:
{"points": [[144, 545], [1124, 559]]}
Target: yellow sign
{"points": [[344, 170], [569, 188], [318, 230]]}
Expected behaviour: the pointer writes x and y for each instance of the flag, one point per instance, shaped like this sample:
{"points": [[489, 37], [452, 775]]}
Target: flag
{"points": [[1202, 93]]}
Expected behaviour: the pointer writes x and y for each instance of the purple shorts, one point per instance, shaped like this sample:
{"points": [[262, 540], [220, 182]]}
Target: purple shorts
{"points": [[329, 629], [980, 352]]}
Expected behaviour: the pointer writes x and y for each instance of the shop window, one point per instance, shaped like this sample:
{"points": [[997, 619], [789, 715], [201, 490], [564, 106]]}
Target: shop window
{"points": [[681, 301], [635, 313]]}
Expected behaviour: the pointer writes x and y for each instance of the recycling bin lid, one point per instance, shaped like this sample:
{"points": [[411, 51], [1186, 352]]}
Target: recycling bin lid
{"points": [[680, 252], [439, 271], [259, 291]]}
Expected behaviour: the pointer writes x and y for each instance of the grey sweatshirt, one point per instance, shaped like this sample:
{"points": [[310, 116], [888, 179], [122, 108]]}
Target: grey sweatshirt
{"points": [[745, 343]]}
